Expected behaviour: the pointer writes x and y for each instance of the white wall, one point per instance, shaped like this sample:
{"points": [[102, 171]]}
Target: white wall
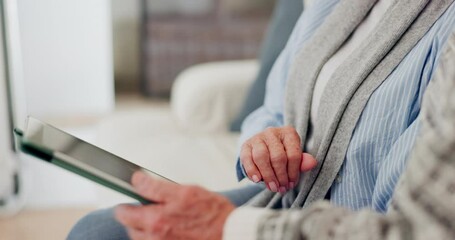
{"points": [[67, 56], [68, 71], [12, 106], [6, 163]]}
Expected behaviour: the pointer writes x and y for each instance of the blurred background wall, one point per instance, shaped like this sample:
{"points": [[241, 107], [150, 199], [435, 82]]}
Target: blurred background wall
{"points": [[68, 74], [127, 19], [67, 56]]}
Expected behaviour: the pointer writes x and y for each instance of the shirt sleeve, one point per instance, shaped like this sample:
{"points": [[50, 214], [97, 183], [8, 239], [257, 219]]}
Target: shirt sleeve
{"points": [[270, 114]]}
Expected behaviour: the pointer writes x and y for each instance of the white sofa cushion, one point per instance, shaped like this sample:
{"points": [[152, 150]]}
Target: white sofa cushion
{"points": [[152, 140], [189, 143], [207, 97]]}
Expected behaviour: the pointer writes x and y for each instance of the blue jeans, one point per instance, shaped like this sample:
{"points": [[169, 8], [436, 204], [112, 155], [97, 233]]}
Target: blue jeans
{"points": [[101, 224]]}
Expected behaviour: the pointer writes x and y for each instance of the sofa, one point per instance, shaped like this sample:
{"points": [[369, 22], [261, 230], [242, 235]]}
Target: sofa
{"points": [[187, 139], [193, 139]]}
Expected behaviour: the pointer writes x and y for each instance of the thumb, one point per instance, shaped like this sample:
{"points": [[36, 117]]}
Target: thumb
{"points": [[308, 162]]}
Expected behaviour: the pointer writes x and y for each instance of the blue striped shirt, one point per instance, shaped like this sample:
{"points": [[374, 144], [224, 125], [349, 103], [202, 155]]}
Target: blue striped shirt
{"points": [[388, 126]]}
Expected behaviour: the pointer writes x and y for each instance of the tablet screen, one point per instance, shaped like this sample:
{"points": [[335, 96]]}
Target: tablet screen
{"points": [[80, 153]]}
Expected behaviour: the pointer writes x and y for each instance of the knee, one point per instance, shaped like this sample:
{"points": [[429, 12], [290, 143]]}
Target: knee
{"points": [[98, 225]]}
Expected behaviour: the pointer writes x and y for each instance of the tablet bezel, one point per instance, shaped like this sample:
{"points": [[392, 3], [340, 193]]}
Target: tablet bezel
{"points": [[78, 167]]}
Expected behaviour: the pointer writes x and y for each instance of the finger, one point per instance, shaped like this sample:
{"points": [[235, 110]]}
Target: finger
{"points": [[246, 159], [308, 162], [153, 189], [151, 219], [262, 160], [135, 234], [142, 218], [131, 216], [291, 143], [278, 160]]}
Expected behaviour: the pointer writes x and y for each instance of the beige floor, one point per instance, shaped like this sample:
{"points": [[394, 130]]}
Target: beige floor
{"points": [[51, 224]]}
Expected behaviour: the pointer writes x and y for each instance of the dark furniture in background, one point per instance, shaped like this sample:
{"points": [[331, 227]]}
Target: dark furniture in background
{"points": [[171, 43]]}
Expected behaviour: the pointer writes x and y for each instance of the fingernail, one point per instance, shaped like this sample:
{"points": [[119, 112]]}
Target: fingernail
{"points": [[291, 185], [273, 187], [282, 190], [255, 178]]}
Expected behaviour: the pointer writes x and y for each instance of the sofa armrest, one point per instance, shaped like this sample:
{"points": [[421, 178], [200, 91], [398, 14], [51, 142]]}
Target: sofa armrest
{"points": [[207, 97]]}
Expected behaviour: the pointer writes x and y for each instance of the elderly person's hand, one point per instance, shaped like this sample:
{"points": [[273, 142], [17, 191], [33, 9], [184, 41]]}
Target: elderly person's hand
{"points": [[181, 212], [275, 156]]}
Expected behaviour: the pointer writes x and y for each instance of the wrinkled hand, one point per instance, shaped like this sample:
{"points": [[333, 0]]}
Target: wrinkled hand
{"points": [[181, 212], [275, 156]]}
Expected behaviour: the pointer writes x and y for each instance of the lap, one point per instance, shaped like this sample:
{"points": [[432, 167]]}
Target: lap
{"points": [[100, 224], [240, 196]]}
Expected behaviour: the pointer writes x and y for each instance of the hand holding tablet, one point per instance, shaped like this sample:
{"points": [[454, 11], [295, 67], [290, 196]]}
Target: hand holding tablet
{"points": [[55, 146]]}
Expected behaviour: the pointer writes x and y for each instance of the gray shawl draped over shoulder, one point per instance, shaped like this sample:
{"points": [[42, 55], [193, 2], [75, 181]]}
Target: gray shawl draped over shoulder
{"points": [[349, 88], [422, 207]]}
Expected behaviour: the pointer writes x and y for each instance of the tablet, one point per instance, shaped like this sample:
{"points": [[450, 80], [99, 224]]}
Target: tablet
{"points": [[57, 147]]}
